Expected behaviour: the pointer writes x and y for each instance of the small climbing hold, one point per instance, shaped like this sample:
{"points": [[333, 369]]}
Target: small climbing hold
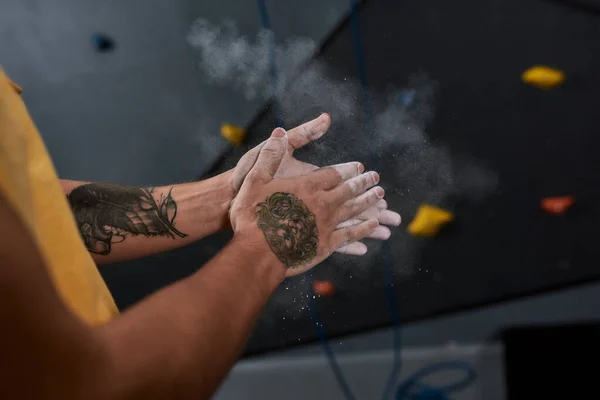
{"points": [[234, 134], [323, 288], [429, 220], [557, 205], [543, 77], [102, 42], [406, 97]]}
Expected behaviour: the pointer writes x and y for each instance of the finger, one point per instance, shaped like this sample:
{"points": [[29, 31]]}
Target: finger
{"points": [[380, 233], [349, 234], [390, 218], [244, 166], [373, 212], [381, 204], [354, 249], [350, 222], [385, 217], [271, 155], [378, 212], [354, 187], [351, 208], [309, 131], [329, 177]]}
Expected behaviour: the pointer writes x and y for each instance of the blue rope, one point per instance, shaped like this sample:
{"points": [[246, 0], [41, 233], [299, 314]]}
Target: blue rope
{"points": [[411, 388], [270, 43], [406, 390], [322, 335], [387, 254]]}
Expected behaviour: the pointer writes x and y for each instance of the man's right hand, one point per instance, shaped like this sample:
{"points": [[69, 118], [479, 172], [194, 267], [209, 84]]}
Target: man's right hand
{"points": [[297, 218]]}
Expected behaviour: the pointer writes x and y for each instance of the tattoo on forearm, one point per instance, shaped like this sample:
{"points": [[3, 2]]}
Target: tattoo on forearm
{"points": [[107, 213], [290, 228]]}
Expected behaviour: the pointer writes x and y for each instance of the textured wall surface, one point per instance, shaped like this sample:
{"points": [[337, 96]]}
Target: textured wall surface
{"points": [[143, 113]]}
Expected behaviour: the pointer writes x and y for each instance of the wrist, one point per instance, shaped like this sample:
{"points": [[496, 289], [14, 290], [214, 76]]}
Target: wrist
{"points": [[220, 185], [253, 247]]}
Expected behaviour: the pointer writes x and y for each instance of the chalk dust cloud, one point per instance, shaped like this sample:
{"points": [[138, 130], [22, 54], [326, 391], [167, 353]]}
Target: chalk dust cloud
{"points": [[393, 138]]}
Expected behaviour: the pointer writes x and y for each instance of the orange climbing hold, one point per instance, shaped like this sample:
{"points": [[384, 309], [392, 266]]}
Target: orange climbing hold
{"points": [[429, 220], [234, 134], [557, 205], [323, 288]]}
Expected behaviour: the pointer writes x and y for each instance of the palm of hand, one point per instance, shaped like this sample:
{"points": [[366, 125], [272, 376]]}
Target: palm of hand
{"points": [[291, 167]]}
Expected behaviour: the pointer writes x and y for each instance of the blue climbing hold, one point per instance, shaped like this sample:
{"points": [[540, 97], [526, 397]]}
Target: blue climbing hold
{"points": [[102, 42]]}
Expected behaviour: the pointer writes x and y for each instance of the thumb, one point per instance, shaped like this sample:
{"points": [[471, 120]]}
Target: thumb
{"points": [[244, 166], [271, 154]]}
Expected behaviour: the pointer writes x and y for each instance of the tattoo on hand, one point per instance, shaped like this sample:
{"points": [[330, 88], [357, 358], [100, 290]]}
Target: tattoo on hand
{"points": [[107, 213], [290, 228]]}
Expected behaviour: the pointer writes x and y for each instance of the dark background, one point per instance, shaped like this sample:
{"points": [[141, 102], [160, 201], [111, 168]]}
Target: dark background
{"points": [[142, 114], [539, 143]]}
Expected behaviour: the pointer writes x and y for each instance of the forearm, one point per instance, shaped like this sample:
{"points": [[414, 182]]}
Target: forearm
{"points": [[122, 222], [176, 344], [181, 342]]}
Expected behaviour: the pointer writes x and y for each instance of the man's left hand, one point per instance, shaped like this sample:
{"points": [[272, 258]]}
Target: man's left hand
{"points": [[290, 167]]}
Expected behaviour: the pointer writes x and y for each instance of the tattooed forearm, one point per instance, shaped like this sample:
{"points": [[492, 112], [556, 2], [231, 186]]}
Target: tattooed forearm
{"points": [[107, 213], [290, 228]]}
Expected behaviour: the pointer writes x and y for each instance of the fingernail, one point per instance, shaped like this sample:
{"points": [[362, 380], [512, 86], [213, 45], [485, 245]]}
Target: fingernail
{"points": [[374, 224], [361, 168], [278, 133], [375, 177], [379, 191]]}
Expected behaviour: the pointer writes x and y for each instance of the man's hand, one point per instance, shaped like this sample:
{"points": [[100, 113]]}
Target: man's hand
{"points": [[291, 167], [297, 218]]}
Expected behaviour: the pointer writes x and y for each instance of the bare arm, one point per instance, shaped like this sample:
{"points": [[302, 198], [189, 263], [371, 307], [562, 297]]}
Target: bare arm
{"points": [[120, 222], [178, 344]]}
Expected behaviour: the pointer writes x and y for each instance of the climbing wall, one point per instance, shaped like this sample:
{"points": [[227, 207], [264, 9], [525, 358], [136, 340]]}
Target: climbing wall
{"points": [[480, 115]]}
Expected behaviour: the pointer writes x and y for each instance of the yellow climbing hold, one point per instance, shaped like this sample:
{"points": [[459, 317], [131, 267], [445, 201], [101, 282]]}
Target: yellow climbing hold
{"points": [[543, 77], [429, 220], [234, 134]]}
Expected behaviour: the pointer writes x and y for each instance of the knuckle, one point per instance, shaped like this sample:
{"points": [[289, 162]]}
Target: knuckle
{"points": [[373, 196], [253, 176], [373, 177], [307, 133], [367, 181], [353, 186], [321, 203], [347, 235], [306, 185]]}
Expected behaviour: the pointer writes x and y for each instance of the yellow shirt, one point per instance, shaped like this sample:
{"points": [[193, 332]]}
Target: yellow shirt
{"points": [[29, 182]]}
